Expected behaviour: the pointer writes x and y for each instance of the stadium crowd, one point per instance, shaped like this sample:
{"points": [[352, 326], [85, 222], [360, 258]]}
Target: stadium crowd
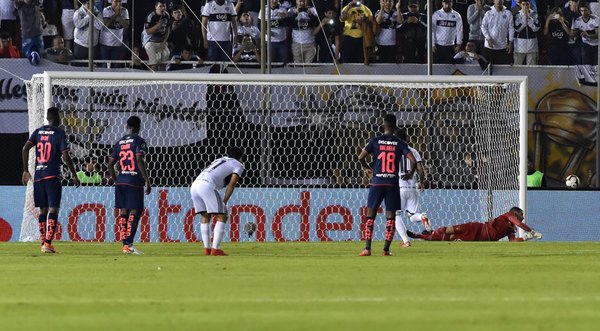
{"points": [[525, 32]]}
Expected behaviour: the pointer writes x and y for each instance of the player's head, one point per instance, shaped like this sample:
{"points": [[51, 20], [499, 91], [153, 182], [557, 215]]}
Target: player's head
{"points": [[133, 124], [389, 123], [235, 153], [517, 212], [53, 116]]}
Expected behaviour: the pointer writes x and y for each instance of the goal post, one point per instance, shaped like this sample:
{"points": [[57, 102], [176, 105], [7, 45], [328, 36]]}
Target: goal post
{"points": [[301, 135]]}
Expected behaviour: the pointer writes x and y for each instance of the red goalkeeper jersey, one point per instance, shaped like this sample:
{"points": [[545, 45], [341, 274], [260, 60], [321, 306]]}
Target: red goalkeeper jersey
{"points": [[500, 227]]}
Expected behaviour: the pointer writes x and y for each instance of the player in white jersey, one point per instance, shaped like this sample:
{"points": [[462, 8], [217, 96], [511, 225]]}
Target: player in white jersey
{"points": [[409, 195], [222, 172]]}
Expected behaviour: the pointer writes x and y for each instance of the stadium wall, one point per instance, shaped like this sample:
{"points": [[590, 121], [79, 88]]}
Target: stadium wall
{"points": [[303, 215]]}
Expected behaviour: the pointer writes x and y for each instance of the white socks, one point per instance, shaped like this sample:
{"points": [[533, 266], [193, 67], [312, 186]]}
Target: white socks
{"points": [[401, 229], [415, 218], [218, 235], [205, 232]]}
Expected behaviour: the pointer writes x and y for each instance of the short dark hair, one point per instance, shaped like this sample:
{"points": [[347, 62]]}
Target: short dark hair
{"points": [[5, 35], [516, 209], [390, 119], [134, 122], [53, 114], [235, 152]]}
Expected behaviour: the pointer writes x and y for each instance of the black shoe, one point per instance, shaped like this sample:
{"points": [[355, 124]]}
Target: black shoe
{"points": [[426, 232], [411, 234]]}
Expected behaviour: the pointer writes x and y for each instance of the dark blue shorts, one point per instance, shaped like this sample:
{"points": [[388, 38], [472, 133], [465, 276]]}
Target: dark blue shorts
{"points": [[47, 193], [389, 194], [129, 197]]}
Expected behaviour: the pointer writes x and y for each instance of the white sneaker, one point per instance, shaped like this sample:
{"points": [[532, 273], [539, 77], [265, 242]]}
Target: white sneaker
{"points": [[135, 251]]}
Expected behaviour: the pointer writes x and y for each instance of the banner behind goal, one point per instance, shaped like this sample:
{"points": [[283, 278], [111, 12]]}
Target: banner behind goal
{"points": [[301, 136]]}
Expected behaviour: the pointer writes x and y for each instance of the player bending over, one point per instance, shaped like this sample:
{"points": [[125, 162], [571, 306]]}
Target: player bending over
{"points": [[50, 143], [224, 171], [131, 183], [387, 151], [409, 194], [493, 230]]}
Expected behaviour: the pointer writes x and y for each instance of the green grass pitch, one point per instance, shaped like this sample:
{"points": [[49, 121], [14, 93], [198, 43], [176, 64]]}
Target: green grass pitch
{"points": [[302, 286]]}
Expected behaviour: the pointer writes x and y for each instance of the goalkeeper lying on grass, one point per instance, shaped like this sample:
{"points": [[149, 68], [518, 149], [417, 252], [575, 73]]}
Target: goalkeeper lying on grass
{"points": [[493, 230]]}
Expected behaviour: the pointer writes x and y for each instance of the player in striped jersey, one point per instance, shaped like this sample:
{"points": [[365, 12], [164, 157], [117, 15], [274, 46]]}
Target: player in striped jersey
{"points": [[409, 194], [131, 183], [50, 143], [219, 29], [387, 151], [222, 172]]}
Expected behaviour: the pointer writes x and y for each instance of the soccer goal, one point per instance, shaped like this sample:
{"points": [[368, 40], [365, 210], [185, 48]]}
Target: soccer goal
{"points": [[301, 135]]}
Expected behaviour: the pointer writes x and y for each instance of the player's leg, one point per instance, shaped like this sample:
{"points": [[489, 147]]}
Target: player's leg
{"points": [[135, 204], [54, 194], [400, 227], [219, 234], [440, 234], [197, 192], [392, 203], [205, 232], [374, 200], [413, 208], [42, 224], [120, 198]]}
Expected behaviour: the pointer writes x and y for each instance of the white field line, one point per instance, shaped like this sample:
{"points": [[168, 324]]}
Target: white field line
{"points": [[59, 300]]}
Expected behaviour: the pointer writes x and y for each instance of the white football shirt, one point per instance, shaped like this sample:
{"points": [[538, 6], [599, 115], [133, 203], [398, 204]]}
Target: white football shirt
{"points": [[220, 169], [405, 168]]}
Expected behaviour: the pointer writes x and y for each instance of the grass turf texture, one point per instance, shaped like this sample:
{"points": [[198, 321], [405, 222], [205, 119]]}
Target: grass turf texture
{"points": [[301, 286]]}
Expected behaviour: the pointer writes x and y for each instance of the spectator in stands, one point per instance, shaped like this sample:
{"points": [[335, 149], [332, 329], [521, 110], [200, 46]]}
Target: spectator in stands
{"points": [[387, 19], [413, 35], [155, 35], [182, 31], [252, 7], [116, 21], [68, 27], [305, 25], [31, 29], [358, 32], [248, 52], [81, 20], [571, 11], [475, 13], [247, 28], [187, 54], [330, 37], [8, 20], [535, 178], [58, 52], [526, 26], [557, 31], [219, 29], [278, 38], [49, 30], [470, 56], [138, 59], [7, 49], [447, 33], [498, 29], [586, 26]]}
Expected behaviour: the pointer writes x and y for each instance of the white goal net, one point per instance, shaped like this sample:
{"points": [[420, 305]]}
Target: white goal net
{"points": [[301, 136]]}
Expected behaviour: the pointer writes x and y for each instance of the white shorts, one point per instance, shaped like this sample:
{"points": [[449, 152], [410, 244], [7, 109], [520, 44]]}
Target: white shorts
{"points": [[409, 200], [67, 24], [206, 198], [156, 55]]}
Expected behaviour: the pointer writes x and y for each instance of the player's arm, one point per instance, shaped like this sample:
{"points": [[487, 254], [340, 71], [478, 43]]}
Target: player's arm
{"points": [[530, 233], [142, 164], [362, 159], [413, 166], [111, 168], [69, 162], [25, 156], [512, 237], [230, 187]]}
